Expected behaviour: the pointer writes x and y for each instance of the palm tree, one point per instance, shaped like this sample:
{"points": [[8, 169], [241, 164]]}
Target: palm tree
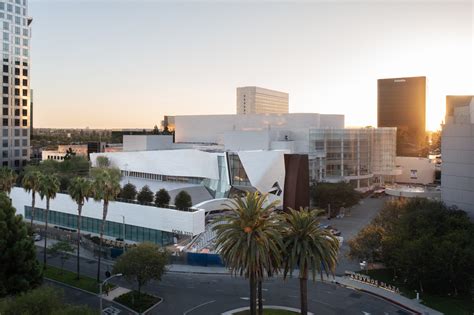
{"points": [[47, 188], [30, 183], [7, 179], [79, 190], [106, 187], [307, 246], [248, 239]]}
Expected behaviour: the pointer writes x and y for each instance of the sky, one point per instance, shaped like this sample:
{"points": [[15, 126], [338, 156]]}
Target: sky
{"points": [[125, 64]]}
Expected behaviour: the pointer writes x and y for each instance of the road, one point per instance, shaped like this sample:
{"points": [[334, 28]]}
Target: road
{"points": [[205, 294]]}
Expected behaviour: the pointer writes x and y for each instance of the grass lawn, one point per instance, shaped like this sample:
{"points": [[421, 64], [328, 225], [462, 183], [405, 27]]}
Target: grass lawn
{"points": [[136, 303], [445, 304], [68, 277], [269, 312]]}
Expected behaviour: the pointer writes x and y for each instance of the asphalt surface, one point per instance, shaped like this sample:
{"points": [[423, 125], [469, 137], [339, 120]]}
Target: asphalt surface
{"points": [[206, 294]]}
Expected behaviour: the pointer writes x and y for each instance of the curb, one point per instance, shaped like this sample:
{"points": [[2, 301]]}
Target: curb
{"points": [[275, 307], [154, 305], [88, 292]]}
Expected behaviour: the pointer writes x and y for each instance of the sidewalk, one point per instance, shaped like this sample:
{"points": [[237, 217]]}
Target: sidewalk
{"points": [[116, 292], [411, 304]]}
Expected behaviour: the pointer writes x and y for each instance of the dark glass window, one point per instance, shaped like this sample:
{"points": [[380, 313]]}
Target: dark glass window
{"points": [[24, 152], [17, 112], [25, 122], [5, 163], [25, 92], [17, 81], [5, 101], [17, 122], [5, 143], [5, 90], [17, 71], [5, 68], [25, 112], [17, 102], [17, 163], [25, 72], [25, 82], [17, 92], [5, 79], [5, 112], [25, 102], [5, 154]]}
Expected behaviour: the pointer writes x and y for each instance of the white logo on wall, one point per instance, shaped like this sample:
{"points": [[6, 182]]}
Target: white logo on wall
{"points": [[276, 189], [413, 174]]}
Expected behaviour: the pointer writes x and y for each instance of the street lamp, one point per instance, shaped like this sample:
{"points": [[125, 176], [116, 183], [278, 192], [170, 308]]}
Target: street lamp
{"points": [[123, 232], [107, 274]]}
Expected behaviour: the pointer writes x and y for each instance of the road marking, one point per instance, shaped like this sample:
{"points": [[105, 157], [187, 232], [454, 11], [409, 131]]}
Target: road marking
{"points": [[245, 298], [198, 306], [365, 313]]}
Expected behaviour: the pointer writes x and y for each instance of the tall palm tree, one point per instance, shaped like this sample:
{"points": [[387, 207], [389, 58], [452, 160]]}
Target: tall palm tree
{"points": [[105, 187], [7, 179], [248, 239], [47, 188], [30, 183], [79, 190], [307, 247]]}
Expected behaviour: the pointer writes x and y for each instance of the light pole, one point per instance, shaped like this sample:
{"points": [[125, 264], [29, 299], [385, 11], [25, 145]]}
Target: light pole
{"points": [[123, 232], [107, 274]]}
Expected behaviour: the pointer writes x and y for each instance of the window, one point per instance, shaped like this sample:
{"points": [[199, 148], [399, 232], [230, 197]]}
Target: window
{"points": [[25, 82], [25, 122], [25, 42], [17, 144], [17, 81], [5, 143], [6, 47], [9, 7], [6, 26], [24, 112], [25, 92], [24, 142], [17, 51], [24, 152], [17, 10], [17, 163], [17, 40], [5, 154], [17, 132], [5, 101], [17, 92], [17, 123], [17, 20], [17, 30], [5, 79], [5, 90], [17, 112], [5, 68], [25, 102], [5, 112], [5, 163], [25, 72], [2, 6], [17, 102], [17, 71], [25, 52], [25, 32], [5, 132], [25, 132]]}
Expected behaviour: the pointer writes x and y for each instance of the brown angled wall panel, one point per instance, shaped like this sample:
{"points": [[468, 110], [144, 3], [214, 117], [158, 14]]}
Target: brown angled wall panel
{"points": [[296, 192]]}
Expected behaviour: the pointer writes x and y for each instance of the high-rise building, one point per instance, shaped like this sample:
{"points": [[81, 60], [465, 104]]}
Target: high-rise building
{"points": [[256, 100], [16, 109], [401, 103], [457, 149]]}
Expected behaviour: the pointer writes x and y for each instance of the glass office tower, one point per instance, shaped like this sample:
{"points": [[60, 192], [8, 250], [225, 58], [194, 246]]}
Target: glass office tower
{"points": [[401, 103], [16, 26]]}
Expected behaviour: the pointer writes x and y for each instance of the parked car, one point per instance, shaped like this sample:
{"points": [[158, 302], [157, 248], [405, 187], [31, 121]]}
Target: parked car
{"points": [[36, 237]]}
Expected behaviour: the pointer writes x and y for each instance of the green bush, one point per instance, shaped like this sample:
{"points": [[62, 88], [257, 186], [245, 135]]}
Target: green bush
{"points": [[145, 195], [162, 198], [129, 191]]}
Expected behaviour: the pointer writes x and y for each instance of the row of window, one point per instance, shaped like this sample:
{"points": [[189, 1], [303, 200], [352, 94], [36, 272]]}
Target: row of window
{"points": [[24, 132], [163, 178], [16, 163], [24, 112], [16, 142], [17, 30], [16, 153], [18, 41], [17, 93], [18, 19], [111, 229], [16, 122], [18, 50], [10, 7], [24, 101]]}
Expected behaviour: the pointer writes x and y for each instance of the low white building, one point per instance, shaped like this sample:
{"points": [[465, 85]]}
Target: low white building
{"points": [[457, 149], [415, 170]]}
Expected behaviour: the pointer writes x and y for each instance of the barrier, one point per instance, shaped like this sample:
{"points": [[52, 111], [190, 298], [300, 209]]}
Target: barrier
{"points": [[198, 259]]}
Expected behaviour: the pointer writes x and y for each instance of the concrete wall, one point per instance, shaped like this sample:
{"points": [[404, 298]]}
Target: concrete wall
{"points": [[457, 168], [415, 170], [146, 142], [247, 140], [145, 216]]}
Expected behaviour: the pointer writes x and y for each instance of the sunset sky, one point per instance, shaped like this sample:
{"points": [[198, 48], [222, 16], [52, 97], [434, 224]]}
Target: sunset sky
{"points": [[125, 64]]}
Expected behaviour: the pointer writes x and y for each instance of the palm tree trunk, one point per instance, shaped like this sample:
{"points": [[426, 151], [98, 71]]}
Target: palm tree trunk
{"points": [[79, 210], [253, 306], [260, 298], [32, 208], [304, 292], [45, 232], [104, 216]]}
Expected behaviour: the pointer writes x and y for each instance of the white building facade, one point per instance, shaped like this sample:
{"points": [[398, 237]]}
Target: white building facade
{"points": [[256, 100], [457, 149]]}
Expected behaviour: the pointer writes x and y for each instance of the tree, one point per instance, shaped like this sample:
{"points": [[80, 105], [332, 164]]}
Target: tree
{"points": [[367, 244], [183, 200], [102, 162], [336, 195], [69, 154], [145, 195], [307, 247], [7, 179], [79, 190], [142, 263], [155, 131], [48, 187], [129, 191], [248, 239], [61, 249], [30, 183], [19, 271], [162, 198], [41, 301], [105, 187]]}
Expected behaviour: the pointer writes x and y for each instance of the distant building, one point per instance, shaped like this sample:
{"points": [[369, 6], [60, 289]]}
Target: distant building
{"points": [[16, 111], [457, 149], [401, 103], [256, 100], [415, 170]]}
